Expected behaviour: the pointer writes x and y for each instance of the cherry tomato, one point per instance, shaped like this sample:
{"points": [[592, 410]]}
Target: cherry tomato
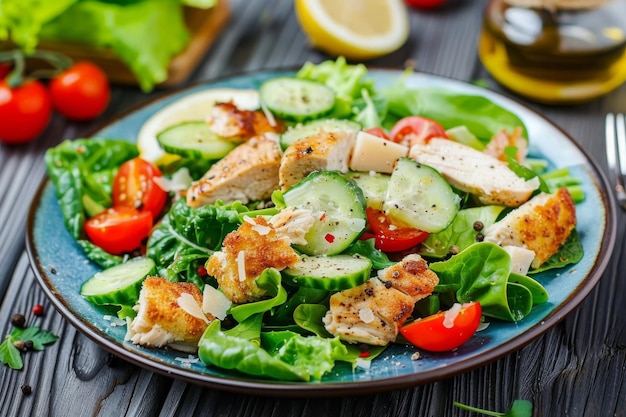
{"points": [[389, 237], [134, 186], [445, 330], [81, 92], [425, 4], [119, 230], [416, 129], [377, 131], [24, 111]]}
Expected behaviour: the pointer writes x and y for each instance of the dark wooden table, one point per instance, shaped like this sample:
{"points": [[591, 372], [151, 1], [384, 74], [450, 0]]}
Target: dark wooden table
{"points": [[578, 368]]}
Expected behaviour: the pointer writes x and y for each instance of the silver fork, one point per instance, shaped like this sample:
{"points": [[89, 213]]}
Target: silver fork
{"points": [[616, 153]]}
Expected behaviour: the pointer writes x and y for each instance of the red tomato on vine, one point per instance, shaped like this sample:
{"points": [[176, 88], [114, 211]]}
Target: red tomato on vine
{"points": [[81, 92], [25, 111]]}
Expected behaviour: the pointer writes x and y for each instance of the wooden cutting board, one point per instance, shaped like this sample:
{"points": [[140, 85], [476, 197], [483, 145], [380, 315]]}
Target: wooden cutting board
{"points": [[204, 27]]}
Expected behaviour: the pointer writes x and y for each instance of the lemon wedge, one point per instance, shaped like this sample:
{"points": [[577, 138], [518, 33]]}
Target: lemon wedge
{"points": [[356, 29], [195, 106]]}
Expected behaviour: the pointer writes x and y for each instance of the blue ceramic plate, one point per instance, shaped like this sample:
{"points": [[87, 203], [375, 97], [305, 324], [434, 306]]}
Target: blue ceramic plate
{"points": [[61, 267]]}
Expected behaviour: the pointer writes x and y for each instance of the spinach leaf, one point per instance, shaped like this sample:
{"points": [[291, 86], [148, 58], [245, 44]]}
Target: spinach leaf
{"points": [[98, 255], [460, 233], [82, 171], [284, 314], [570, 252], [481, 273], [309, 317], [480, 115], [366, 248], [186, 237]]}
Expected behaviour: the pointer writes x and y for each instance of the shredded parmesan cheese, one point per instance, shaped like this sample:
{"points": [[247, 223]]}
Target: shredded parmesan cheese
{"points": [[450, 315], [214, 302], [181, 180], [241, 265], [191, 307]]}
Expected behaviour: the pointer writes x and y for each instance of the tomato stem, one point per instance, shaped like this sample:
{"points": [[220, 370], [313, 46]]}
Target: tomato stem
{"points": [[58, 61]]}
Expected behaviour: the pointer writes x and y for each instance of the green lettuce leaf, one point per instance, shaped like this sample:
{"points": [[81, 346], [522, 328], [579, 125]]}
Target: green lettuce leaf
{"points": [[130, 30]]}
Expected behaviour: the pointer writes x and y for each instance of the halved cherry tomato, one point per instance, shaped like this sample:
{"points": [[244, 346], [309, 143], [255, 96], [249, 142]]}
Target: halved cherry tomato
{"points": [[377, 131], [5, 69], [416, 129], [25, 111], [119, 230], [425, 4], [389, 237], [134, 186], [445, 330], [81, 92]]}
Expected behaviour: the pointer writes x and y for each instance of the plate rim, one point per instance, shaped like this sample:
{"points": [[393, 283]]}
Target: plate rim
{"points": [[335, 389]]}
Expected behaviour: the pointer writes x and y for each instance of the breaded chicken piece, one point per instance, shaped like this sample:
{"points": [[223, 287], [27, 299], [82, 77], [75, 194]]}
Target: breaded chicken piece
{"points": [[542, 225], [323, 151], [475, 172], [229, 122], [248, 173], [373, 312], [246, 253], [411, 276], [161, 321]]}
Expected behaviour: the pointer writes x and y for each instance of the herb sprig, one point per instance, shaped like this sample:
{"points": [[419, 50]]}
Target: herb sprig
{"points": [[32, 337], [519, 408]]}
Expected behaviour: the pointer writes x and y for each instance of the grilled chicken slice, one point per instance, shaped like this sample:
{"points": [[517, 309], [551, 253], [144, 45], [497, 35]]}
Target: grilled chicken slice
{"points": [[475, 172], [541, 225], [248, 173], [246, 253], [229, 122], [323, 151], [162, 321], [373, 312]]}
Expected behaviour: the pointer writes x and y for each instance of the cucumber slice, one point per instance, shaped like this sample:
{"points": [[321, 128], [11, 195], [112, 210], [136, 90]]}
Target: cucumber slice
{"points": [[296, 99], [374, 186], [194, 140], [321, 125], [420, 197], [339, 205], [120, 284], [333, 273]]}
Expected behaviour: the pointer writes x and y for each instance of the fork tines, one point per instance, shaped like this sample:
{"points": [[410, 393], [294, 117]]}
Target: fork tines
{"points": [[616, 152]]}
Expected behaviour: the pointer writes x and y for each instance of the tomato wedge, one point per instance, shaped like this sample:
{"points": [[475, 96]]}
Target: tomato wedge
{"points": [[445, 330], [119, 230], [416, 129], [389, 237], [134, 187]]}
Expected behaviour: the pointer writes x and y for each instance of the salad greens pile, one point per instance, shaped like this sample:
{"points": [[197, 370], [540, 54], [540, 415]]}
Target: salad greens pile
{"points": [[283, 336], [127, 27]]}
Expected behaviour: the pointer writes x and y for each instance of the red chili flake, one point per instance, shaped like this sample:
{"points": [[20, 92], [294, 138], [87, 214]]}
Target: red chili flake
{"points": [[329, 238], [38, 310], [364, 355], [322, 217], [202, 271]]}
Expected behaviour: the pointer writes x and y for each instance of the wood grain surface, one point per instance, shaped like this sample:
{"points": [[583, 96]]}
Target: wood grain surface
{"points": [[578, 368]]}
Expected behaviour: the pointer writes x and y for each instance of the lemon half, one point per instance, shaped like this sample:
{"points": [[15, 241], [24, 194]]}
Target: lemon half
{"points": [[356, 29], [192, 107]]}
